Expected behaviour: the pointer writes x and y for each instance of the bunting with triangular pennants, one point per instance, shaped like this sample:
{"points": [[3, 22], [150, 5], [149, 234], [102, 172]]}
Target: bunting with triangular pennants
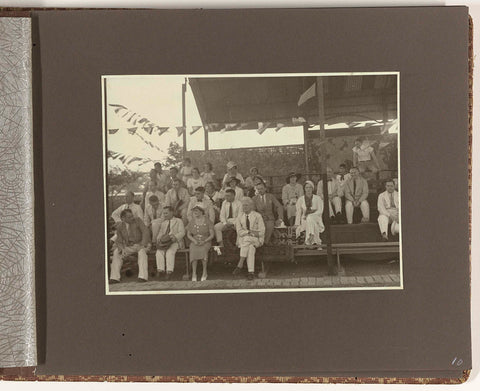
{"points": [[180, 130], [127, 159], [152, 128], [144, 123], [195, 129]]}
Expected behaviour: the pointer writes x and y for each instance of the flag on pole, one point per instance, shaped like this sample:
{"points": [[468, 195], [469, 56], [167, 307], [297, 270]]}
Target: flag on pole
{"points": [[123, 158], [180, 130], [262, 126], [149, 130], [308, 94], [112, 131], [279, 126], [132, 130], [162, 129], [195, 129]]}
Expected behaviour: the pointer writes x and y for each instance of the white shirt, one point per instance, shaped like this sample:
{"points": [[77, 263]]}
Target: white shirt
{"points": [[150, 214], [193, 183], [341, 181], [332, 185], [236, 210], [384, 202], [363, 152], [208, 176], [136, 210]]}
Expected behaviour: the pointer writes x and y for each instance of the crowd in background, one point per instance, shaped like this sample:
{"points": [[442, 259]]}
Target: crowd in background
{"points": [[195, 207]]}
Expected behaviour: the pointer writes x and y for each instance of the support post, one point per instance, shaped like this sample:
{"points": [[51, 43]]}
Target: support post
{"points": [[305, 146], [206, 137], [184, 121], [326, 207]]}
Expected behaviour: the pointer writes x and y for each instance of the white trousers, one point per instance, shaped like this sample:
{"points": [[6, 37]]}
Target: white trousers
{"points": [[364, 207], [383, 221], [219, 228], [117, 262], [337, 206], [168, 257], [248, 251]]}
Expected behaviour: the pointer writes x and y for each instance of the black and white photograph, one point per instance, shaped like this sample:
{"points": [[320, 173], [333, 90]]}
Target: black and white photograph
{"points": [[252, 183]]}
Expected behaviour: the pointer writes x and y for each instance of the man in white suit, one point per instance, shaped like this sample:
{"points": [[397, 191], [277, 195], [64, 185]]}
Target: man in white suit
{"points": [[250, 235], [169, 239], [388, 210], [229, 213]]}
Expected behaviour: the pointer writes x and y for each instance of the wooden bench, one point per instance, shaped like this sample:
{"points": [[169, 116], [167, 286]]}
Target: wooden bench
{"points": [[347, 248]]}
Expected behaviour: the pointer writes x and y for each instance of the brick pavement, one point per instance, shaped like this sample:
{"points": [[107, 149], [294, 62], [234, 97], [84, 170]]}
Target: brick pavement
{"points": [[387, 280]]}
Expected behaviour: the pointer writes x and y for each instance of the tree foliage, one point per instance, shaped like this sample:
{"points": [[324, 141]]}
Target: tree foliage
{"points": [[174, 155]]}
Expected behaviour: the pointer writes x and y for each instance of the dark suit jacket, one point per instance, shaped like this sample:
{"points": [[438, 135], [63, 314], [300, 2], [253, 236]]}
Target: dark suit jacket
{"points": [[268, 209]]}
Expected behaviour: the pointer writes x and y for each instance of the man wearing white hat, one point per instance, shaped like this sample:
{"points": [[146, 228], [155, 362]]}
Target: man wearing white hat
{"points": [[232, 171], [388, 210]]}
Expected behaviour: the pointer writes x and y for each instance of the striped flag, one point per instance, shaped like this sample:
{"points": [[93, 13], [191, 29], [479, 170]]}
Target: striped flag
{"points": [[112, 131], [149, 130], [132, 130], [308, 94]]}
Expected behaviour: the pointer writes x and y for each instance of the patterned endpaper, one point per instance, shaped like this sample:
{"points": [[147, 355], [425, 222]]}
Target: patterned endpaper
{"points": [[17, 290]]}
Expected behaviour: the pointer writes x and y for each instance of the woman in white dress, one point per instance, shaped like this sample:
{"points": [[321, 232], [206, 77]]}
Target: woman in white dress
{"points": [[309, 216]]}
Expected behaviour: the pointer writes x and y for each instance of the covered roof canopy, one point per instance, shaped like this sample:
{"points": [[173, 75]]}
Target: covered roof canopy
{"points": [[232, 103]]}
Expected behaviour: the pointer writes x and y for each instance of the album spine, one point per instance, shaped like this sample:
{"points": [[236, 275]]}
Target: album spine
{"points": [[17, 267]]}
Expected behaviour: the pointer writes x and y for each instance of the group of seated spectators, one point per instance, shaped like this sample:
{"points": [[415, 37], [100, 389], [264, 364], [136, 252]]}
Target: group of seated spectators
{"points": [[186, 206]]}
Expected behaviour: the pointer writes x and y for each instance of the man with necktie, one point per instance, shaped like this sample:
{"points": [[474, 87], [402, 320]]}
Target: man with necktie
{"points": [[229, 212], [388, 207], [178, 198], [168, 240], [334, 194], [356, 193], [153, 211], [132, 238], [267, 205], [250, 235]]}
